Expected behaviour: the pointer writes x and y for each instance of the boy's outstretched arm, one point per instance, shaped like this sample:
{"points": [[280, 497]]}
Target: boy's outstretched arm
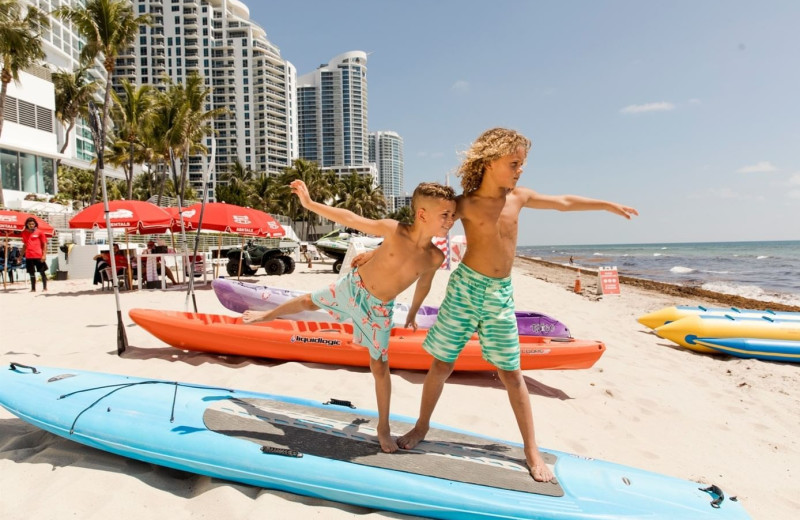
{"points": [[574, 203], [347, 218]]}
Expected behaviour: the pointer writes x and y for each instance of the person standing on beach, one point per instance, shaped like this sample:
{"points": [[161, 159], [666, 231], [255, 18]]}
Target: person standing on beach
{"points": [[34, 251], [479, 294], [366, 294]]}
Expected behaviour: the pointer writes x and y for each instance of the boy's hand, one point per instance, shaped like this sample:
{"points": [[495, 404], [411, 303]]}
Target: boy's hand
{"points": [[623, 211], [411, 322], [300, 189], [361, 259]]}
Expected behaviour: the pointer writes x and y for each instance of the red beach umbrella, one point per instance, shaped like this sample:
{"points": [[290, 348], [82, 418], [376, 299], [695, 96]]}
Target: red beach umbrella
{"points": [[230, 218], [13, 222], [134, 216]]}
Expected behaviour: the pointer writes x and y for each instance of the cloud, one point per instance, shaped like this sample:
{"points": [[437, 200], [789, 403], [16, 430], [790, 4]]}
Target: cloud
{"points": [[761, 167], [661, 106], [794, 194], [460, 86], [694, 101], [728, 193], [794, 180]]}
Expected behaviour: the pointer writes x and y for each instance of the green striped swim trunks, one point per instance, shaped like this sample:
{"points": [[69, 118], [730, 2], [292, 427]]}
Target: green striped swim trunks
{"points": [[476, 302]]}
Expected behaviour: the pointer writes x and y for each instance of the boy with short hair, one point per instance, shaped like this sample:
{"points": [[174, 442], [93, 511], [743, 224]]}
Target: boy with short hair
{"points": [[367, 293], [479, 292]]}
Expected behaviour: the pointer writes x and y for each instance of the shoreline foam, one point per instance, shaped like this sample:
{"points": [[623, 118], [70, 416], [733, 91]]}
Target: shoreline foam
{"points": [[550, 269]]}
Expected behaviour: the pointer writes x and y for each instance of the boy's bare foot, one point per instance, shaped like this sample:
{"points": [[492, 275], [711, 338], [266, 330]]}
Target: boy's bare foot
{"points": [[254, 316], [412, 438], [388, 444], [539, 470]]}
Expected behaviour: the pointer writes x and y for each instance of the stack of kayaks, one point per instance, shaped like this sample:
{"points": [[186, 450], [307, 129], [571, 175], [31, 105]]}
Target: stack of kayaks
{"points": [[747, 333], [241, 296], [326, 342]]}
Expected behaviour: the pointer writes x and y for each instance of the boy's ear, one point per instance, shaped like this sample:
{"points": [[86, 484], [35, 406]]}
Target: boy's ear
{"points": [[420, 215]]}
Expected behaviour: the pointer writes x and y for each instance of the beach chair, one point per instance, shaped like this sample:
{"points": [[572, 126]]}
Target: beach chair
{"points": [[105, 278]]}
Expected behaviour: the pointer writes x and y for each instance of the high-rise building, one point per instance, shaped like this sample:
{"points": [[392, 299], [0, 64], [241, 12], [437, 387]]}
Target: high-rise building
{"points": [[248, 77], [386, 151], [332, 115]]}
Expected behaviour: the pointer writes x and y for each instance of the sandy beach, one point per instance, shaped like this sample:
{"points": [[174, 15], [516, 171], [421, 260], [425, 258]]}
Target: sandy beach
{"points": [[646, 403]]}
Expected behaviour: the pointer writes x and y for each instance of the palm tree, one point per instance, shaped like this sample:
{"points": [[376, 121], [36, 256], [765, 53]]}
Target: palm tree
{"points": [[20, 47], [321, 187], [237, 185], [198, 122], [358, 195], [74, 90], [166, 129], [109, 27], [131, 109], [403, 215]]}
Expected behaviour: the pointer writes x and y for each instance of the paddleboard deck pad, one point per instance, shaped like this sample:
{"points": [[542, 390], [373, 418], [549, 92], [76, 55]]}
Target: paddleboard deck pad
{"points": [[295, 431], [330, 451]]}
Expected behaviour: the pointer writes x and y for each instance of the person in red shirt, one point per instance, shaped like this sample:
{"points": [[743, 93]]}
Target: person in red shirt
{"points": [[34, 250]]}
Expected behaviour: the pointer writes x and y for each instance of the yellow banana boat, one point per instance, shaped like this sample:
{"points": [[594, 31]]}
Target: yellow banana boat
{"points": [[686, 331]]}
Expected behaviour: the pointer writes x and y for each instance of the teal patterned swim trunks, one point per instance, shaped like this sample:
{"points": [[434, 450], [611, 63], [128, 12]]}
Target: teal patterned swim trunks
{"points": [[473, 302], [372, 319]]}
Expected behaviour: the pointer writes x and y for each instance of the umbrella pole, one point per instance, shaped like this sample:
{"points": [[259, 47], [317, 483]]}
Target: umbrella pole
{"points": [[241, 259], [219, 255], [129, 270], [174, 258], [99, 134], [5, 262]]}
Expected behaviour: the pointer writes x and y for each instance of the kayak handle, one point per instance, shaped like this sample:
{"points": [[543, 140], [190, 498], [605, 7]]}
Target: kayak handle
{"points": [[713, 489], [17, 366]]}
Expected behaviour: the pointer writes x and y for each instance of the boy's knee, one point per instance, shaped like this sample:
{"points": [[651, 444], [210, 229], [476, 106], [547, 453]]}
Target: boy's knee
{"points": [[308, 303]]}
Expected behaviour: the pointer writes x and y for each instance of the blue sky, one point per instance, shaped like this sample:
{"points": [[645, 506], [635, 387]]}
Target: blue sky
{"points": [[688, 111]]}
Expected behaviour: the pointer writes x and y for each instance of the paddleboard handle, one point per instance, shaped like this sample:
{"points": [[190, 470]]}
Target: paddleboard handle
{"points": [[340, 402], [271, 450], [16, 366], [713, 489]]}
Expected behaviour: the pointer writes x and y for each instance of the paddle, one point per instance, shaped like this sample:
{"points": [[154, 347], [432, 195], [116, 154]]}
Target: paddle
{"points": [[98, 135]]}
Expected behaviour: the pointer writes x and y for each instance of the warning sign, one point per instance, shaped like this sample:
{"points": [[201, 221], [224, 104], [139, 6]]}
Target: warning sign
{"points": [[607, 280]]}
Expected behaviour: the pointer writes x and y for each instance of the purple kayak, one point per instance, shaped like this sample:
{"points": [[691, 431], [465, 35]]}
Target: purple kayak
{"points": [[241, 296]]}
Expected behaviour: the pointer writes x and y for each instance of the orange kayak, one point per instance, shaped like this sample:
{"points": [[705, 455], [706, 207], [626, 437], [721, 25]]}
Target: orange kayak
{"points": [[332, 343]]}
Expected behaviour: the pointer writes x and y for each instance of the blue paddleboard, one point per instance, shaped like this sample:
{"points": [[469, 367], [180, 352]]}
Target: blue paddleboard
{"points": [[330, 450]]}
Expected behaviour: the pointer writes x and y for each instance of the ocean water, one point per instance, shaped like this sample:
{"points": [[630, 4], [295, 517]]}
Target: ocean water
{"points": [[766, 271]]}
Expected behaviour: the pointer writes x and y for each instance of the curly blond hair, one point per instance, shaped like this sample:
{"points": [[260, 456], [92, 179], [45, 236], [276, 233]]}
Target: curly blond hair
{"points": [[431, 190], [490, 145]]}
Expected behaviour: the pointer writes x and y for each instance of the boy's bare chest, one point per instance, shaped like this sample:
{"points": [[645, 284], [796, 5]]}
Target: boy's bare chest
{"points": [[492, 217]]}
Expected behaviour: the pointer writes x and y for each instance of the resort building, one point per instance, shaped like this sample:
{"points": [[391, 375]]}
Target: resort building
{"points": [[28, 145], [386, 151], [32, 138], [217, 40], [332, 115]]}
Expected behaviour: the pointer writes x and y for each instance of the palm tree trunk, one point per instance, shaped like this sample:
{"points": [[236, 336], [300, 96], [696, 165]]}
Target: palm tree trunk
{"points": [[130, 170], [103, 123], [58, 161], [3, 91], [6, 79], [163, 181]]}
